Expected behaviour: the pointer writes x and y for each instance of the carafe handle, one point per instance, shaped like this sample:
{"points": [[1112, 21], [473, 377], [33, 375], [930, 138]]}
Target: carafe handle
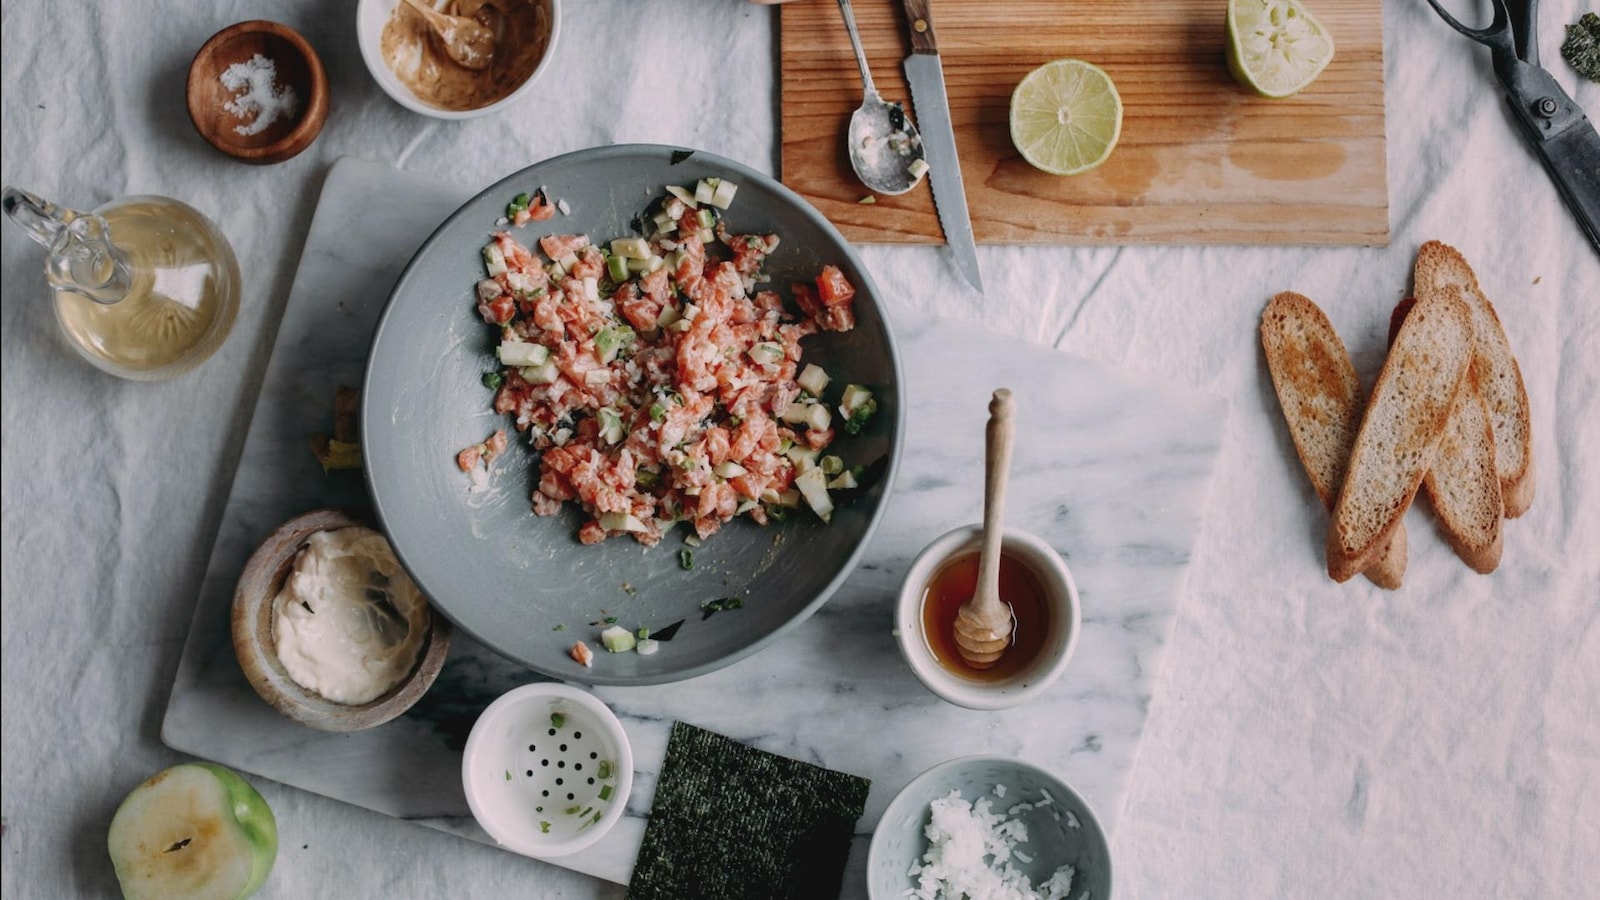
{"points": [[82, 257]]}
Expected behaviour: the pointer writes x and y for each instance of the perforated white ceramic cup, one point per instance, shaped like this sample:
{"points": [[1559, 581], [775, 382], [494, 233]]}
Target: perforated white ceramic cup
{"points": [[547, 770]]}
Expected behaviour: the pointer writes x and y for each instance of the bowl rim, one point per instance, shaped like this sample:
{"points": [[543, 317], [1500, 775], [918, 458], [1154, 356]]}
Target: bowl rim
{"points": [[868, 286], [312, 117], [507, 704], [266, 569], [903, 796], [908, 620], [399, 93]]}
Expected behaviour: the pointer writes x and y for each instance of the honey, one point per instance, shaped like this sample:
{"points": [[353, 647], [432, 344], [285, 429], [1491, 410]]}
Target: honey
{"points": [[953, 584]]}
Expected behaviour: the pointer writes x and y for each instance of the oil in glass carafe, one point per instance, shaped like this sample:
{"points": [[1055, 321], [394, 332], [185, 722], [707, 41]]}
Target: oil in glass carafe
{"points": [[144, 287]]}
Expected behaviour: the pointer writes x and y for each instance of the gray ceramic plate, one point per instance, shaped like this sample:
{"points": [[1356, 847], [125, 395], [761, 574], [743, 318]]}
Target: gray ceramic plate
{"points": [[523, 585]]}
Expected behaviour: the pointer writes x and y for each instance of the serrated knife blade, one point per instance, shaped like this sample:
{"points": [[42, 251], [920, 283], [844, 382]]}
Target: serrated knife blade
{"points": [[931, 111]]}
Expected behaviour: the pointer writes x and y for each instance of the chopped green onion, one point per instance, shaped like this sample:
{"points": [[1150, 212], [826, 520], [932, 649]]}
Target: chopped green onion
{"points": [[544, 827], [493, 380], [605, 769], [858, 419], [557, 720], [519, 203], [721, 604], [657, 412], [686, 559], [645, 479], [609, 340], [573, 810]]}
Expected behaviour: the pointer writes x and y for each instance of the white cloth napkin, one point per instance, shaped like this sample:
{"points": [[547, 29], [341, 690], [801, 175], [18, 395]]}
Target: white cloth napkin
{"points": [[1307, 737]]}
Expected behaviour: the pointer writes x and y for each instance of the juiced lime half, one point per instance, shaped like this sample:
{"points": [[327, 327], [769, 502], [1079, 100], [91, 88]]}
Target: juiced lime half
{"points": [[1066, 116], [1276, 47]]}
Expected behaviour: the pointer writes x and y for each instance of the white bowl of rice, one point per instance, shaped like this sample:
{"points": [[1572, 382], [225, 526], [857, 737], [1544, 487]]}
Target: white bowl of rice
{"points": [[988, 828]]}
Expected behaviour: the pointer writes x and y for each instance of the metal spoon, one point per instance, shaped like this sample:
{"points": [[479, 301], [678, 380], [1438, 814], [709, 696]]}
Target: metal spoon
{"points": [[986, 625], [883, 142], [468, 42]]}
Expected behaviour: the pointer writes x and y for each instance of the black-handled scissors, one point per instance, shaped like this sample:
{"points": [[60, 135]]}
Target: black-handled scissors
{"points": [[1556, 127]]}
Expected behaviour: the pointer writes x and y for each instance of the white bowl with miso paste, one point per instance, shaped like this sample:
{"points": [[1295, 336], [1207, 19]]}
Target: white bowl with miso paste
{"points": [[1044, 600]]}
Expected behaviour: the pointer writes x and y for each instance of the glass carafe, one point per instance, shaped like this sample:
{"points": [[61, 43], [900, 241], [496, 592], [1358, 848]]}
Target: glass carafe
{"points": [[144, 287]]}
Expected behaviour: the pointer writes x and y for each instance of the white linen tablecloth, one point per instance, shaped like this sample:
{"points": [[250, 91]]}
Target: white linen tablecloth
{"points": [[1306, 738]]}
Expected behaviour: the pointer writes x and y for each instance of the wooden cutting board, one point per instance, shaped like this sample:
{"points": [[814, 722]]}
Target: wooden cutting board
{"points": [[1201, 160]]}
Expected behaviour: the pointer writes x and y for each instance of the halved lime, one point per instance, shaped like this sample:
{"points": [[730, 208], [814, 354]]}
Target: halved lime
{"points": [[1066, 116], [1276, 47]]}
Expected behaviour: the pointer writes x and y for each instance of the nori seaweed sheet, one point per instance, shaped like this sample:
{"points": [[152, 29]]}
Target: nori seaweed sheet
{"points": [[732, 822]]}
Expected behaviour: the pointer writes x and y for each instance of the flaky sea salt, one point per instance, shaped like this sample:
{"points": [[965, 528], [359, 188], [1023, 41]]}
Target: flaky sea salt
{"points": [[970, 856], [261, 97]]}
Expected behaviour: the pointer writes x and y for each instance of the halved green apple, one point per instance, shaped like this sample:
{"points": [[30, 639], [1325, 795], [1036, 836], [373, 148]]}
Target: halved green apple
{"points": [[194, 831]]}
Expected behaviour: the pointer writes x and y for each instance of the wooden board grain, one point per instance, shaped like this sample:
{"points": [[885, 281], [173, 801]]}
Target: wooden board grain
{"points": [[1201, 160]]}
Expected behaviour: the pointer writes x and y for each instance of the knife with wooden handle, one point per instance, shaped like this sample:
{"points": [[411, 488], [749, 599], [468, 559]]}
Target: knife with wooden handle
{"points": [[931, 106]]}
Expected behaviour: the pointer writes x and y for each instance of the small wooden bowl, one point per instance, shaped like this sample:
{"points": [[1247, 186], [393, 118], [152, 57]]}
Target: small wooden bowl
{"points": [[253, 642], [297, 65]]}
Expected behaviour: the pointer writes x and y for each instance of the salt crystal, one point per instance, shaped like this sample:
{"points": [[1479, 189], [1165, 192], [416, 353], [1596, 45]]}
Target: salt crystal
{"points": [[261, 96]]}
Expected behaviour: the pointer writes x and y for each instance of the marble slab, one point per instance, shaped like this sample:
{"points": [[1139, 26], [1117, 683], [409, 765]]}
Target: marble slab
{"points": [[1112, 468]]}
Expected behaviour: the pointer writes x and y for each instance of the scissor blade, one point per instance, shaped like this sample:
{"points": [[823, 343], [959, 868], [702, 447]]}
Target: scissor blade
{"points": [[1573, 160], [1561, 134]]}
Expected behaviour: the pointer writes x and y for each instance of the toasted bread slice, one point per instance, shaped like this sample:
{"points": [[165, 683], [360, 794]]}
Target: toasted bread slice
{"points": [[1462, 485], [1400, 431], [1440, 266], [1321, 398]]}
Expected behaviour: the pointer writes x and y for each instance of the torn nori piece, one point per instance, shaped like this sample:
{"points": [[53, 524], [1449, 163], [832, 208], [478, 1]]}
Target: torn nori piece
{"points": [[733, 822], [679, 156], [667, 633]]}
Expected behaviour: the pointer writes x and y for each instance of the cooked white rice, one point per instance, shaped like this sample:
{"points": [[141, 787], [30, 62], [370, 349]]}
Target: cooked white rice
{"points": [[971, 851]]}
